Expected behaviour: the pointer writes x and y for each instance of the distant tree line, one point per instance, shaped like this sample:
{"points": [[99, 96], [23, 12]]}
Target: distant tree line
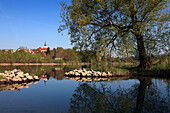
{"points": [[19, 56], [60, 55], [55, 55]]}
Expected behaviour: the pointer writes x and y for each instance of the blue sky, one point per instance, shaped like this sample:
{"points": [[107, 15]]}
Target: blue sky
{"points": [[30, 23]]}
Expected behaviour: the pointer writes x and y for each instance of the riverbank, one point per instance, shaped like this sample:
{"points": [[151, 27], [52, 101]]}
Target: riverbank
{"points": [[118, 70], [148, 73], [16, 76], [40, 64], [120, 73]]}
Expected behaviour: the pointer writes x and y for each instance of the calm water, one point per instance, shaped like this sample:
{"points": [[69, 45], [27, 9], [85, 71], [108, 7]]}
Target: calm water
{"points": [[59, 94]]}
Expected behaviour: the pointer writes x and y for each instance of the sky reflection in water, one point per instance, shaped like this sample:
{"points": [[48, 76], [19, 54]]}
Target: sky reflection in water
{"points": [[66, 95]]}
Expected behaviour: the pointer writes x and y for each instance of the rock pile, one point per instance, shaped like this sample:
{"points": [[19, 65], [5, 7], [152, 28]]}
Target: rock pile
{"points": [[84, 73], [91, 79], [16, 86], [17, 76]]}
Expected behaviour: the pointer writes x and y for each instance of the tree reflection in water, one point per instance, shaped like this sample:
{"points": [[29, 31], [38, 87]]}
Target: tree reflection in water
{"points": [[143, 97]]}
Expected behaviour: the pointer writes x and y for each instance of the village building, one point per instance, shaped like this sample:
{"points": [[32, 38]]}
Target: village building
{"points": [[31, 51], [42, 49]]}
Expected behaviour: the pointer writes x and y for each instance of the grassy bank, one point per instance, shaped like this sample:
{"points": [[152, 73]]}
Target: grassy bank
{"points": [[1, 76], [41, 64], [159, 70]]}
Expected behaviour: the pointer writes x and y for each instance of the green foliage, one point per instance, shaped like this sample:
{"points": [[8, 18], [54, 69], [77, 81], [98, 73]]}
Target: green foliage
{"points": [[90, 56], [161, 62], [86, 56], [70, 55], [1, 76], [22, 56], [160, 66], [18, 57], [122, 27], [59, 61], [117, 60], [113, 69]]}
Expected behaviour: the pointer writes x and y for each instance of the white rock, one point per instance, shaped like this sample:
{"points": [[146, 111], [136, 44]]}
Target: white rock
{"points": [[14, 80], [26, 74], [83, 74], [29, 77], [84, 69], [2, 80], [104, 74], [8, 78], [14, 70], [6, 72], [2, 74], [77, 74], [6, 75], [20, 73], [12, 75], [24, 79], [19, 79], [66, 74], [36, 77], [88, 74], [71, 73]]}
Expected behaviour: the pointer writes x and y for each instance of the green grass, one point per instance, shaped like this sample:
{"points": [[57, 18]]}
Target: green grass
{"points": [[102, 70], [121, 70], [160, 66], [1, 76], [1, 88], [112, 70]]}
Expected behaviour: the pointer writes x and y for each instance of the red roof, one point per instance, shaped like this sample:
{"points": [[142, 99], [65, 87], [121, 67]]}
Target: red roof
{"points": [[39, 49], [29, 50]]}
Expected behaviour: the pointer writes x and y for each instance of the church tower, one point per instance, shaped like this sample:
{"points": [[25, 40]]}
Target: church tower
{"points": [[45, 45]]}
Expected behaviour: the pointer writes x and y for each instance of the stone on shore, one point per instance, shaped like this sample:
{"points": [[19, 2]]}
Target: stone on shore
{"points": [[8, 78], [91, 73], [2, 74], [29, 77], [2, 80], [36, 78], [24, 79], [16, 76]]}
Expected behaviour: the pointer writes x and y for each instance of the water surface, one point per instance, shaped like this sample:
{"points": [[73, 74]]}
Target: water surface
{"points": [[60, 94]]}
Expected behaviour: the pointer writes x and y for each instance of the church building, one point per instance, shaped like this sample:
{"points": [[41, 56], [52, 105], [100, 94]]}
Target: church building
{"points": [[42, 49]]}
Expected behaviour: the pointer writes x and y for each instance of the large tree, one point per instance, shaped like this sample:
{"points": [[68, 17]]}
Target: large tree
{"points": [[119, 24]]}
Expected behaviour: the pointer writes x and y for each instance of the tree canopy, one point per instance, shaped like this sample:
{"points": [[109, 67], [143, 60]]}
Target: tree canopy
{"points": [[123, 26]]}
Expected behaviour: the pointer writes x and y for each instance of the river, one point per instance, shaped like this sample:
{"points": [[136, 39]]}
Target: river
{"points": [[63, 94]]}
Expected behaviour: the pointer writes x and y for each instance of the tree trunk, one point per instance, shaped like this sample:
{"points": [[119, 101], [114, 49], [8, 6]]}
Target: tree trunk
{"points": [[141, 94], [145, 62]]}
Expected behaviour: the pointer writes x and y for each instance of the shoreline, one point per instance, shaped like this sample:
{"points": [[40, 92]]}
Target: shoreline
{"points": [[163, 73], [40, 64], [144, 73]]}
